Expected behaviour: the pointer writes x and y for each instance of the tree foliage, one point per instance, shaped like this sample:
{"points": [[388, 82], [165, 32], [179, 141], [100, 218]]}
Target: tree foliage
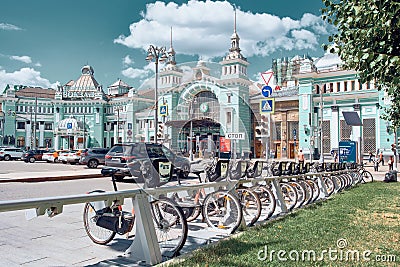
{"points": [[368, 41]]}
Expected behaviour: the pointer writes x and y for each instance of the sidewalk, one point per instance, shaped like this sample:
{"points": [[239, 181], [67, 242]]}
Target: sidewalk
{"points": [[49, 176]]}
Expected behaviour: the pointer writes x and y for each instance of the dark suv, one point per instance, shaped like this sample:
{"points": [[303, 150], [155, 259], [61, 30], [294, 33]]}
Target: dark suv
{"points": [[92, 157], [33, 155], [129, 157]]}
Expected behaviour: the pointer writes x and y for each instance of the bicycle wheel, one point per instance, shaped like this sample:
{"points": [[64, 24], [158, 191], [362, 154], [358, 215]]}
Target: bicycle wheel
{"points": [[97, 234], [366, 177], [170, 226], [251, 205], [267, 199], [289, 195], [300, 193], [315, 188], [222, 210], [308, 191]]}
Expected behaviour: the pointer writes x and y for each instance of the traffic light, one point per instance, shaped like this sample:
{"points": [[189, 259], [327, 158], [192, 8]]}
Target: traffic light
{"points": [[160, 131], [262, 130]]}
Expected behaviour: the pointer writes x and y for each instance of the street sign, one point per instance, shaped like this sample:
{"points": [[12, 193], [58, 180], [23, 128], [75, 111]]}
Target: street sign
{"points": [[267, 105], [266, 91], [347, 151], [235, 136], [164, 110], [69, 125]]}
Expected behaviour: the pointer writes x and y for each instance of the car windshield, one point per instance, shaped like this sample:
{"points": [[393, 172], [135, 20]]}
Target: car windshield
{"points": [[155, 151], [121, 150]]}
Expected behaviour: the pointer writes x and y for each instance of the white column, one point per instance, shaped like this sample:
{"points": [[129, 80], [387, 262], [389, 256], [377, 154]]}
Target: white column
{"points": [[41, 135], [146, 131], [334, 128], [56, 142], [28, 135]]}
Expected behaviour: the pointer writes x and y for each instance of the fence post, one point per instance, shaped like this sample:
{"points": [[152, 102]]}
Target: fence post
{"points": [[279, 195], [145, 246]]}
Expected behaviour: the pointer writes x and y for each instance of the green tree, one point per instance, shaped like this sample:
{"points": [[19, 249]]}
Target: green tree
{"points": [[368, 41]]}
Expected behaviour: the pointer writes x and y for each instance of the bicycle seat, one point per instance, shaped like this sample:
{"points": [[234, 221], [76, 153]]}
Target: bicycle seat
{"points": [[109, 171]]}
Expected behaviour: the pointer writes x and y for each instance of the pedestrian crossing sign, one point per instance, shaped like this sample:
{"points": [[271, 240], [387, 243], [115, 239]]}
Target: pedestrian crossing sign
{"points": [[267, 105], [163, 110]]}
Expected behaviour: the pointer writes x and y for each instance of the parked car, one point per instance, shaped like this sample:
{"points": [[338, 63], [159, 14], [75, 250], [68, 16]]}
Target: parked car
{"points": [[92, 157], [70, 156], [74, 156], [33, 155], [62, 156], [122, 155], [9, 153], [52, 155]]}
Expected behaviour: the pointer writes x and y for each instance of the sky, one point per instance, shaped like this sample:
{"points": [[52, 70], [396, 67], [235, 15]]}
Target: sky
{"points": [[45, 43]]}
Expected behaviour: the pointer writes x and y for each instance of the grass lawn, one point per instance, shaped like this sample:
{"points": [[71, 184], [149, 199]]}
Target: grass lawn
{"points": [[359, 227]]}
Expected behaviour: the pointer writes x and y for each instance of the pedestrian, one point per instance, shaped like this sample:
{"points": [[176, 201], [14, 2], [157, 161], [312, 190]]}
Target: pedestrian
{"points": [[335, 156], [376, 163], [381, 159], [390, 163], [300, 156], [370, 156]]}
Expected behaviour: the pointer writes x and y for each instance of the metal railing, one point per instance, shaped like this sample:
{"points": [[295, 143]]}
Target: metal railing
{"points": [[145, 249]]}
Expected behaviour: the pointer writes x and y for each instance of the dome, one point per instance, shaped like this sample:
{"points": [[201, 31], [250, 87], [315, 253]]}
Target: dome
{"points": [[87, 70], [328, 61]]}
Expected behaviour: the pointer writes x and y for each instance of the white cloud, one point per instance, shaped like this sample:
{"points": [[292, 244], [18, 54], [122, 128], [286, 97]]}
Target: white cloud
{"points": [[9, 27], [24, 76], [135, 73], [38, 64], [25, 59], [204, 28], [127, 61]]}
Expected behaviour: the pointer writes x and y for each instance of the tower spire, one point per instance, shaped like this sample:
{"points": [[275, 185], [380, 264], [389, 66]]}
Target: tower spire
{"points": [[234, 26], [235, 38], [171, 52]]}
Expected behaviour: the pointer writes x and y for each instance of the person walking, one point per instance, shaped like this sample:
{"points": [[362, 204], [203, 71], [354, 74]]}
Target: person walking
{"points": [[381, 159], [390, 163], [370, 156], [376, 163], [300, 156]]}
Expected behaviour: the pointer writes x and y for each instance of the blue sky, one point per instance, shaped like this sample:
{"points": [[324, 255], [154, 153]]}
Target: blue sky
{"points": [[46, 42]]}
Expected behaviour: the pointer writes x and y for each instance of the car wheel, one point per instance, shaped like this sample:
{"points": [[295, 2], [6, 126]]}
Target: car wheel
{"points": [[92, 164], [56, 160], [64, 162], [32, 160], [184, 173], [72, 163], [7, 157]]}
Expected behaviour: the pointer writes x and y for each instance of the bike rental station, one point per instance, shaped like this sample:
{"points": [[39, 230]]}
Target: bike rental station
{"points": [[235, 194]]}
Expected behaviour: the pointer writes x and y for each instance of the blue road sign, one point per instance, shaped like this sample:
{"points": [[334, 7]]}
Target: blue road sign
{"points": [[266, 90], [163, 110], [294, 133], [267, 105], [69, 125]]}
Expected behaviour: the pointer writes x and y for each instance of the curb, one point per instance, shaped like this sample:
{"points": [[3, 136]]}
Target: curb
{"points": [[50, 178]]}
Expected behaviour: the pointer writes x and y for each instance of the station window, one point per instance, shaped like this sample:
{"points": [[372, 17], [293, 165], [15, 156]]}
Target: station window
{"points": [[20, 125], [48, 126], [228, 117]]}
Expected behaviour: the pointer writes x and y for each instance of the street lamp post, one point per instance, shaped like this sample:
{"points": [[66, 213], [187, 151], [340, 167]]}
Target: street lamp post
{"points": [[158, 54], [191, 129], [2, 120]]}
